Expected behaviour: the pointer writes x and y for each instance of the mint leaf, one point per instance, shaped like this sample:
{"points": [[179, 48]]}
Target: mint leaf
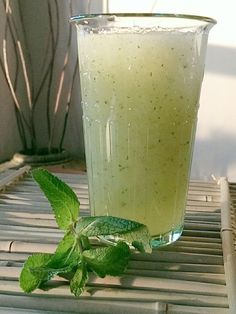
{"points": [[134, 233], [105, 225], [74, 256], [84, 240], [67, 252], [139, 238], [66, 258], [138, 246], [108, 260], [63, 200], [30, 281], [50, 272], [79, 280]]}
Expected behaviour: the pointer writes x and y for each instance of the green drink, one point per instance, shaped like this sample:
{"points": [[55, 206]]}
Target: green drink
{"points": [[140, 91]]}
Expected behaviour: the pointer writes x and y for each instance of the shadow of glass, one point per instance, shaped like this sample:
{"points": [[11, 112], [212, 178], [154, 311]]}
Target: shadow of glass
{"points": [[214, 155], [221, 60]]}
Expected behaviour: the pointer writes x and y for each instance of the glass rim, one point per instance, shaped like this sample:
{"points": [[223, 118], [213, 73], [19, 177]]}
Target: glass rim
{"points": [[83, 17]]}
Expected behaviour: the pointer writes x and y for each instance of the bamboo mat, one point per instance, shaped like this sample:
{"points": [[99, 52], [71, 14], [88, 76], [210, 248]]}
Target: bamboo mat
{"points": [[194, 275]]}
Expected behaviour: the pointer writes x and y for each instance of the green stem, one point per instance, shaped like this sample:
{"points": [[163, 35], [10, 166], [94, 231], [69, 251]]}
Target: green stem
{"points": [[80, 246]]}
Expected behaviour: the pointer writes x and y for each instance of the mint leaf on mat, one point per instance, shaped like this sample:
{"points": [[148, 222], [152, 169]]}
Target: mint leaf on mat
{"points": [[139, 238], [67, 252], [30, 281], [132, 232], [110, 260], [75, 257], [79, 280], [105, 225], [65, 259], [63, 200]]}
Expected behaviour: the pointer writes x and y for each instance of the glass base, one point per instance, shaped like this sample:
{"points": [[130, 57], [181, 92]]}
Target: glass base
{"points": [[166, 238]]}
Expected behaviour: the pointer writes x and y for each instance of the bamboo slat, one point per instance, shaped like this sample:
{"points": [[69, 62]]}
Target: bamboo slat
{"points": [[137, 281], [13, 176], [183, 246], [13, 257], [47, 305], [228, 245], [188, 276], [180, 309], [103, 294]]}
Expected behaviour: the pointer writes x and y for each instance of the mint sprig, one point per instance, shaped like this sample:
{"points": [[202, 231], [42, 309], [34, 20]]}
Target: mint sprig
{"points": [[75, 257]]}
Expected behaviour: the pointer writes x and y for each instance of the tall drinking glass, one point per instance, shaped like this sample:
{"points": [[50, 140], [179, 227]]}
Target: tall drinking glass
{"points": [[141, 77]]}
